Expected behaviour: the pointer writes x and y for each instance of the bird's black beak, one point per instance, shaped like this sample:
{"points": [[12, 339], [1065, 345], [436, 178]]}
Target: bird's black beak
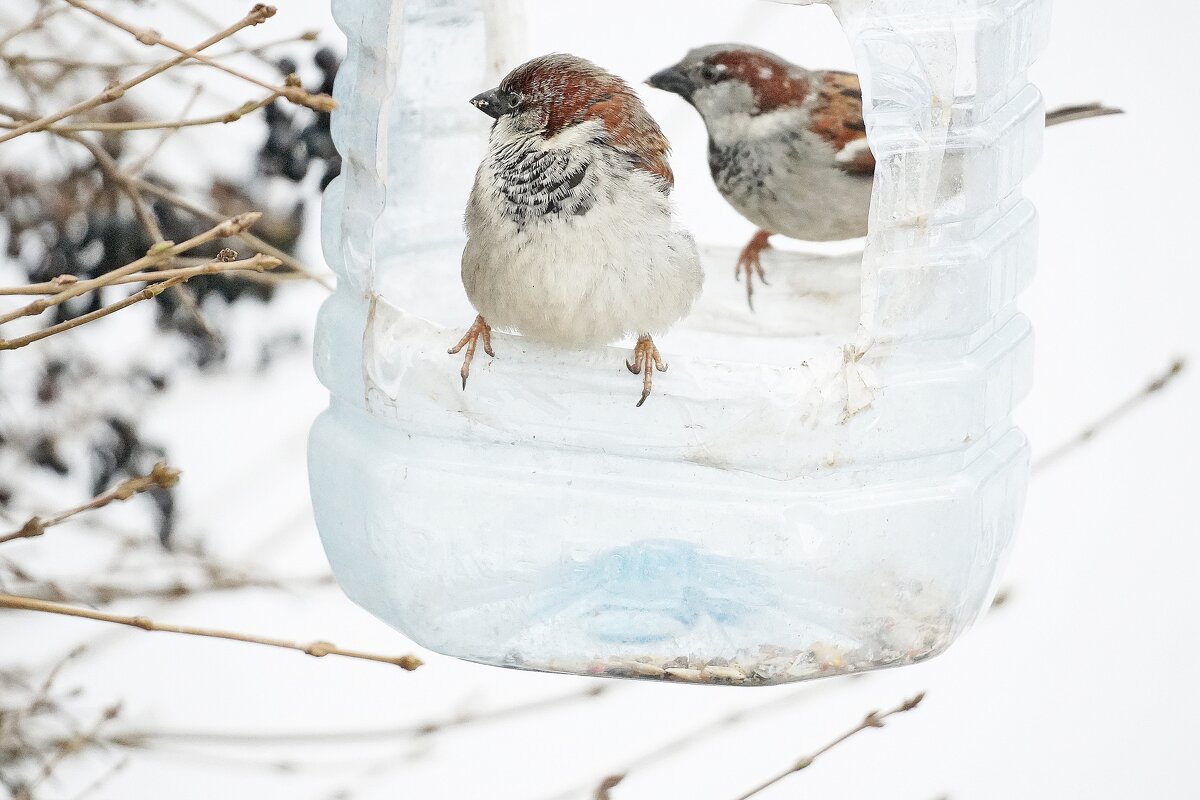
{"points": [[489, 103], [673, 80]]}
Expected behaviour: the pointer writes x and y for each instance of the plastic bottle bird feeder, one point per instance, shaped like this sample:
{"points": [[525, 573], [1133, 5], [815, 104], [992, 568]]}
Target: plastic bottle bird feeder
{"points": [[798, 498]]}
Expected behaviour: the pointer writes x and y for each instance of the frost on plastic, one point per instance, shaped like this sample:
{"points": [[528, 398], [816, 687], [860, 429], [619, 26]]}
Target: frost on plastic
{"points": [[820, 488]]}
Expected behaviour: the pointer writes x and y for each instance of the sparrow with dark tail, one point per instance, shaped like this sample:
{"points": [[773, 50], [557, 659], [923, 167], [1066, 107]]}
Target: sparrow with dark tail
{"points": [[571, 239], [787, 147]]}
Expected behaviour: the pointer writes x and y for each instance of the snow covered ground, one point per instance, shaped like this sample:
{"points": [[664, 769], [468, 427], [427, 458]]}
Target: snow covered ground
{"points": [[1080, 686]]}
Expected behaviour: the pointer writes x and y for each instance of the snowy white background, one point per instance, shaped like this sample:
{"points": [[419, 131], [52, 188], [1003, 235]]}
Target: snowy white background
{"points": [[1081, 686]]}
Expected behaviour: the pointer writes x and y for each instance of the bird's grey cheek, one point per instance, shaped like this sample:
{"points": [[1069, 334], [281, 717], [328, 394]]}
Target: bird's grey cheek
{"points": [[726, 97], [707, 101], [528, 121]]}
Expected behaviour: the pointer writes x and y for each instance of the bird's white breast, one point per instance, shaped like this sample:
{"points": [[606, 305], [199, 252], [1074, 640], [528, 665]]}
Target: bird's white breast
{"points": [[786, 179], [570, 245]]}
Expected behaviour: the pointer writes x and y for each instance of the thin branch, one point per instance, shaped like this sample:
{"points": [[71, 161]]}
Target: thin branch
{"points": [[99, 594], [872, 720], [72, 745], [43, 692], [604, 790], [261, 245], [124, 183], [1103, 423], [102, 779], [108, 166], [22, 59], [257, 263], [146, 738], [160, 477], [112, 171], [291, 92], [149, 293], [258, 14], [316, 649], [201, 14], [160, 253], [690, 738], [39, 19], [152, 125], [137, 167]]}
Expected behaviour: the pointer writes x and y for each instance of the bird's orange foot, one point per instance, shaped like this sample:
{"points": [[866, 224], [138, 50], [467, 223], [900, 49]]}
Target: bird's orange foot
{"points": [[749, 263], [479, 330], [646, 359]]}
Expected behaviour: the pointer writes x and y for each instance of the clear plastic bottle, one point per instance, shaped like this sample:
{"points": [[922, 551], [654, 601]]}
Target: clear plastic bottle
{"points": [[788, 506]]}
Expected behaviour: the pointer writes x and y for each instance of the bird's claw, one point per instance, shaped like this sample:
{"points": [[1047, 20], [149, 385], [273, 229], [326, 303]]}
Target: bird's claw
{"points": [[750, 263], [479, 330], [646, 359]]}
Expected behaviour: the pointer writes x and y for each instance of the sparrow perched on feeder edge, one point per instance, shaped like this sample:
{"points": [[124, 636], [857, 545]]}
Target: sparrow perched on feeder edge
{"points": [[571, 239], [787, 147]]}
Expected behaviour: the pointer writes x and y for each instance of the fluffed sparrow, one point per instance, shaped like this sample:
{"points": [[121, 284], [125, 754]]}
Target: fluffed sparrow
{"points": [[787, 147], [571, 238]]}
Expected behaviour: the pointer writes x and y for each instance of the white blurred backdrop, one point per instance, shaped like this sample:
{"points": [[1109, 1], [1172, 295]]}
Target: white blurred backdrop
{"points": [[1081, 685]]}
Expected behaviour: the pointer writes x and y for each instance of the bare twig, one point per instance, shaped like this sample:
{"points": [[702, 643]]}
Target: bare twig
{"points": [[257, 15], [69, 746], [161, 477], [157, 255], [39, 19], [121, 182], [151, 125], [42, 695], [108, 166], [146, 738], [1087, 434], [293, 93], [148, 293], [124, 184], [137, 167], [316, 649], [691, 737], [257, 263], [604, 790], [99, 594], [872, 720], [22, 59], [102, 779], [261, 245]]}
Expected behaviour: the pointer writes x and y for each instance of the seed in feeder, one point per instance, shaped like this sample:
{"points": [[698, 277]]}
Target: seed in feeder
{"points": [[644, 670], [802, 666], [902, 635], [723, 673], [828, 655], [617, 668], [684, 674], [772, 668]]}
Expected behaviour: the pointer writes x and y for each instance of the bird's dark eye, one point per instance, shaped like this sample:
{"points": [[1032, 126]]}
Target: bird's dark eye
{"points": [[513, 101], [709, 73]]}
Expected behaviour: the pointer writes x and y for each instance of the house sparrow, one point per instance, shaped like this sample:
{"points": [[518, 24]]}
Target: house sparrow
{"points": [[787, 147], [570, 234]]}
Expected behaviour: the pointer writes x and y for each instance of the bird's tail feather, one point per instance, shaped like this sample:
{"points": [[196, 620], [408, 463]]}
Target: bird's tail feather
{"points": [[1073, 113]]}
